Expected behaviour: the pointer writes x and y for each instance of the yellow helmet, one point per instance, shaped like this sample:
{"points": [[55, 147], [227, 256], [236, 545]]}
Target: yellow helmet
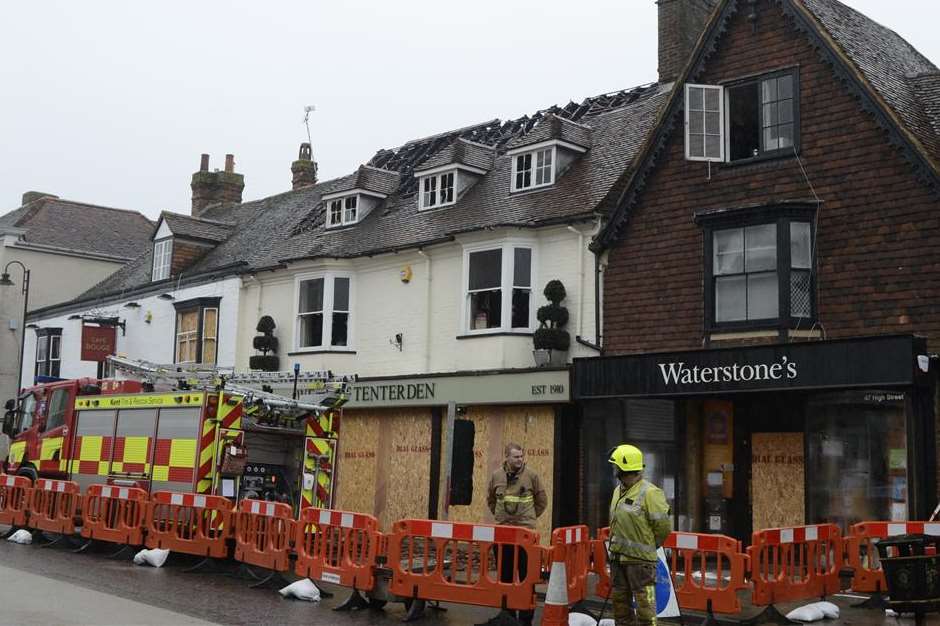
{"points": [[628, 458]]}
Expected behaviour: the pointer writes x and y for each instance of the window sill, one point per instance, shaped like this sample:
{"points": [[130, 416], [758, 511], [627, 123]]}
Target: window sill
{"points": [[522, 192], [322, 351], [498, 333], [764, 158]]}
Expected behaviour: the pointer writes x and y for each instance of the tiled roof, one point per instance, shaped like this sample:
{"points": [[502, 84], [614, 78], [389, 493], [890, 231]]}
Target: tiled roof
{"points": [[197, 228], [554, 126], [80, 227], [889, 63], [289, 226], [461, 152]]}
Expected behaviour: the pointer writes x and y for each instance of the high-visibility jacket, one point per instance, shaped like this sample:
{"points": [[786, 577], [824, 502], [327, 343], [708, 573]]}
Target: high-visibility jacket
{"points": [[640, 521], [516, 499]]}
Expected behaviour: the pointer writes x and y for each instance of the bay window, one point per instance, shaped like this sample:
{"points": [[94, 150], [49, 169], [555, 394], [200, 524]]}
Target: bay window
{"points": [[323, 312], [498, 289]]}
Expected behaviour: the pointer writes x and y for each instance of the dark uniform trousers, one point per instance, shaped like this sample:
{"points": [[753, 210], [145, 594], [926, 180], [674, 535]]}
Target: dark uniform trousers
{"points": [[633, 580]]}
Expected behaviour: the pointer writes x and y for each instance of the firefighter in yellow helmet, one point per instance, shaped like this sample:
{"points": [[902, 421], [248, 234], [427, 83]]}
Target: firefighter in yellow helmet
{"points": [[640, 521]]}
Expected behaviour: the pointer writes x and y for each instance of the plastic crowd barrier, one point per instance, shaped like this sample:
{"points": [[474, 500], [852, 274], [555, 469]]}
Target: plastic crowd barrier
{"points": [[263, 533], [578, 548], [862, 556], [52, 506], [599, 565], [707, 571], [799, 563], [14, 499], [337, 547], [462, 563], [189, 523], [114, 514]]}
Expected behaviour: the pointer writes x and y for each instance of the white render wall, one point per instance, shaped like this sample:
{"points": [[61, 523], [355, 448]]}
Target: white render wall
{"points": [[383, 305], [152, 341]]}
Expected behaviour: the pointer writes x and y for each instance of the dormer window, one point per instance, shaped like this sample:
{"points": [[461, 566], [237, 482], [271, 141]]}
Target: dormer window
{"points": [[162, 257], [533, 169], [437, 190], [344, 211]]}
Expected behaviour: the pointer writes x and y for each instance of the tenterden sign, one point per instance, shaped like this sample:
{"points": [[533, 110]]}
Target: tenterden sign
{"points": [[846, 363]]}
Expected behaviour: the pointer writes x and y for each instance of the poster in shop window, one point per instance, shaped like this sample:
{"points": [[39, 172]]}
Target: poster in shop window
{"points": [[777, 480]]}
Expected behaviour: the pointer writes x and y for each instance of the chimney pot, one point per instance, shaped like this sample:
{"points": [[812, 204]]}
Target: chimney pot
{"points": [[204, 163], [304, 169], [213, 188], [229, 163]]}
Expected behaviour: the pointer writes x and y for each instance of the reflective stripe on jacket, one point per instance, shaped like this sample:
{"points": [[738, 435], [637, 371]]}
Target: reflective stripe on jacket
{"points": [[516, 500], [640, 521]]}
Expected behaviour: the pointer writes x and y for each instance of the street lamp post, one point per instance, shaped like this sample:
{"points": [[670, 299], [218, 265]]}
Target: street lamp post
{"points": [[6, 282]]}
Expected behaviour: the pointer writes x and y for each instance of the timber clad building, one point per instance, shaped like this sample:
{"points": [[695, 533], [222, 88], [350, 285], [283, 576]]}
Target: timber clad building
{"points": [[773, 277]]}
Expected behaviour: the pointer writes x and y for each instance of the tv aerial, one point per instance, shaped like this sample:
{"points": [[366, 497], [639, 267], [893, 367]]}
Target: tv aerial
{"points": [[307, 111]]}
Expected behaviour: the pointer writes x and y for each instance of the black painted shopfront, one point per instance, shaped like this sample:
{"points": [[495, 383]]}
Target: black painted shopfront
{"points": [[755, 437]]}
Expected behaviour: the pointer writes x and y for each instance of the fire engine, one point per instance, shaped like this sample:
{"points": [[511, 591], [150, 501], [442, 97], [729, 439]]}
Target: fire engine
{"points": [[173, 428]]}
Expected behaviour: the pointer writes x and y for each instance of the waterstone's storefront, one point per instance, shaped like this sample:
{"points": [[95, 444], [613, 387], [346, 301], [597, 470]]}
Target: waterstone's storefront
{"points": [[757, 437]]}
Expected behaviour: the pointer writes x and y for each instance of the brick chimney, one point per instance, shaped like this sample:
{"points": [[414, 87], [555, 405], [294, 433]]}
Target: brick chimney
{"points": [[304, 168], [681, 22], [210, 188], [32, 196]]}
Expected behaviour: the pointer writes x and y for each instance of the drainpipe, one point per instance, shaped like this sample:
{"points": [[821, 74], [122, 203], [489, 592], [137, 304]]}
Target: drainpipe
{"points": [[580, 278], [427, 310]]}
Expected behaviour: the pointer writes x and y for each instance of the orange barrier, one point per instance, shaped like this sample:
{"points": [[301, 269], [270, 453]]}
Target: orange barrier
{"points": [[599, 564], [114, 514], [462, 563], [52, 506], [337, 547], [578, 548], [263, 532], [862, 556], [14, 499], [799, 563], [189, 523], [695, 558]]}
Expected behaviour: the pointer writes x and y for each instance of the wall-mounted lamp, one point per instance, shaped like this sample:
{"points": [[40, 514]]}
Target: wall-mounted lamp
{"points": [[165, 296], [32, 326], [75, 317], [132, 305], [923, 362], [397, 341], [148, 317]]}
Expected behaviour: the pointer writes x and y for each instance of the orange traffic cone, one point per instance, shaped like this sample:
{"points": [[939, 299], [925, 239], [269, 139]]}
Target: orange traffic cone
{"points": [[555, 612]]}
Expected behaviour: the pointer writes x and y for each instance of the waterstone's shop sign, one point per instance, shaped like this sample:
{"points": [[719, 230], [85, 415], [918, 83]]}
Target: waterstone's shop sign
{"points": [[866, 362]]}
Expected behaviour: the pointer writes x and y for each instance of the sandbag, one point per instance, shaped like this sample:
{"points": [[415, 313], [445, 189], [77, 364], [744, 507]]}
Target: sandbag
{"points": [[22, 536], [154, 558], [303, 589], [581, 619], [808, 613], [830, 610]]}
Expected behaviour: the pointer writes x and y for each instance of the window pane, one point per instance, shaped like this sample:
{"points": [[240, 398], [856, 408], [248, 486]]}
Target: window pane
{"points": [[520, 308], [769, 90], [340, 294], [42, 349], [743, 121], [800, 244], [522, 270], [785, 134], [350, 210], [486, 269], [800, 296], [58, 407], [785, 87], [55, 346], [311, 330], [711, 99], [311, 295], [210, 322], [730, 298], [208, 350], [785, 111], [187, 322], [696, 99], [486, 309], [762, 296], [771, 140], [713, 123], [728, 251], [770, 114], [340, 329], [336, 212], [696, 123], [712, 146]]}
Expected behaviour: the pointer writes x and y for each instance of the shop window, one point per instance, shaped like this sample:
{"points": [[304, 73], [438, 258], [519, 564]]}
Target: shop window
{"points": [[197, 331], [745, 120], [58, 407], [498, 289], [760, 273], [48, 352], [323, 312]]}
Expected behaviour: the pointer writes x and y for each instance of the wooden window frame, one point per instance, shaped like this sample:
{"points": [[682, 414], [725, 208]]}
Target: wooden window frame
{"points": [[201, 305]]}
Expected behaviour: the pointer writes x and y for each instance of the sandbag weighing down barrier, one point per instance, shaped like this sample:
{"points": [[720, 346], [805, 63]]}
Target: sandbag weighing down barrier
{"points": [[114, 514], [707, 571], [263, 535], [862, 554], [578, 549], [52, 507], [792, 564], [339, 547], [14, 501], [461, 563], [189, 523]]}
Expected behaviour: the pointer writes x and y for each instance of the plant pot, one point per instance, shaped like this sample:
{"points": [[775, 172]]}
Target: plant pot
{"points": [[542, 357], [559, 358]]}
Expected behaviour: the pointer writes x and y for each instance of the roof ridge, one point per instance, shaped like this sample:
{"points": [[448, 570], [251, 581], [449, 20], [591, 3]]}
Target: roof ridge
{"points": [[439, 135], [198, 219], [94, 206]]}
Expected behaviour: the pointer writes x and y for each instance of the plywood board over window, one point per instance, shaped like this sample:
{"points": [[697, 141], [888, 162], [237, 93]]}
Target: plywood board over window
{"points": [[777, 480]]}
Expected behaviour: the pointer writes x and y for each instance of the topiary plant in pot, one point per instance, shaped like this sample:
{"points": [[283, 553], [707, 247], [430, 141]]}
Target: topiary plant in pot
{"points": [[265, 342], [551, 340]]}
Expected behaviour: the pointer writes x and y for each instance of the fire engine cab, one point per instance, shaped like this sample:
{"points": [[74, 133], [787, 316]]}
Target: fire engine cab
{"points": [[164, 428]]}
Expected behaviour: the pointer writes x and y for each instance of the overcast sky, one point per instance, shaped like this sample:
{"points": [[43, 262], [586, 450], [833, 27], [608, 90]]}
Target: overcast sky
{"points": [[113, 102]]}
